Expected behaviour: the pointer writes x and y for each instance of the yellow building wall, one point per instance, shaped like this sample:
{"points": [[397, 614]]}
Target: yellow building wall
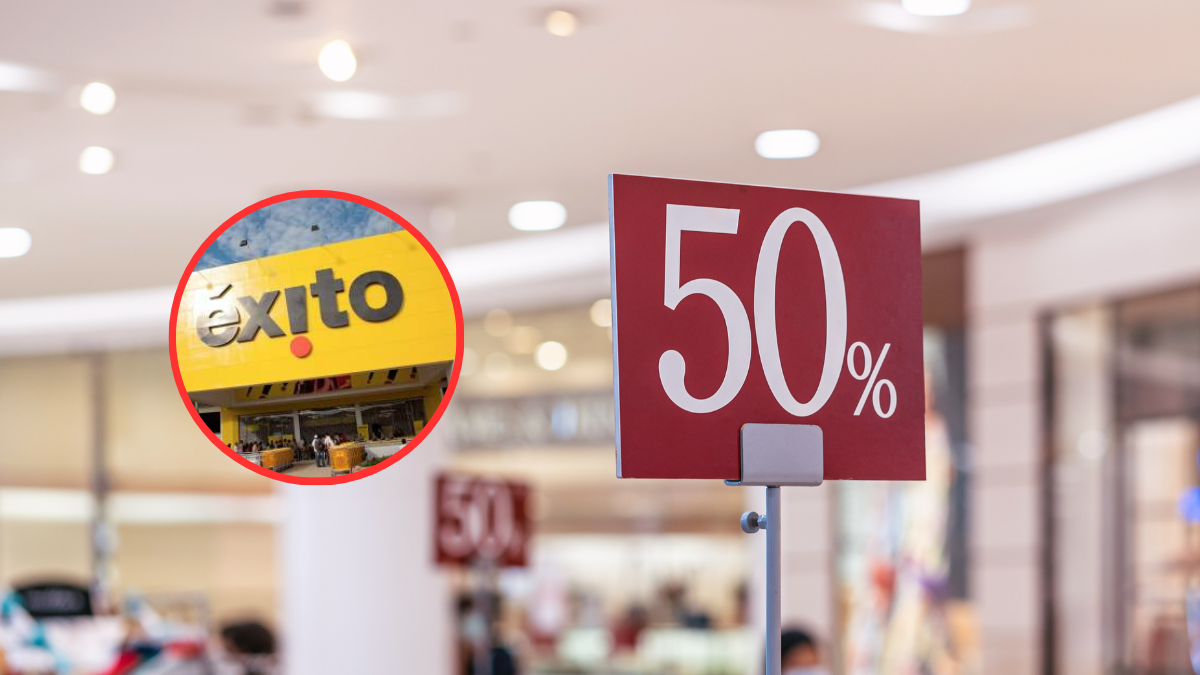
{"points": [[433, 398], [229, 426]]}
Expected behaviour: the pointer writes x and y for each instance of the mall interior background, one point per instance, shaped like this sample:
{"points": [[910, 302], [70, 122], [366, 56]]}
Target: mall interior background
{"points": [[1055, 534]]}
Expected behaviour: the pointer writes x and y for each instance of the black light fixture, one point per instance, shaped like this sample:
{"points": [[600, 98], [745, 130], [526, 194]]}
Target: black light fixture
{"points": [[314, 227], [244, 243]]}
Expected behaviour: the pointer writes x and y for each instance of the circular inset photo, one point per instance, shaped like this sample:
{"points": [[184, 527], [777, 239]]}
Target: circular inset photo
{"points": [[314, 337]]}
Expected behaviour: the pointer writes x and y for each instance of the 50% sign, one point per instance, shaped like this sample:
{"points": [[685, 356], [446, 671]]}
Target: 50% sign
{"points": [[481, 519], [671, 365]]}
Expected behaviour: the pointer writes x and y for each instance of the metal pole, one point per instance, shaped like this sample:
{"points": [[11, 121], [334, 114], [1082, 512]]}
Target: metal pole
{"points": [[101, 536], [486, 584], [774, 649]]}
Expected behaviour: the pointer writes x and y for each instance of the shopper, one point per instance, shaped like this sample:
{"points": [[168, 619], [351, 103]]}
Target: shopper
{"points": [[800, 655], [250, 649], [471, 625], [316, 448]]}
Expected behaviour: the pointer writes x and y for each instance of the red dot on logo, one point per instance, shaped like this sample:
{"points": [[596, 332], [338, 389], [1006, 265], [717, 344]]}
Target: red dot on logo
{"points": [[301, 346]]}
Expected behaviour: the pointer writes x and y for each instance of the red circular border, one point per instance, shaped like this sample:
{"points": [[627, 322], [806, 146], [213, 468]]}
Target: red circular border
{"points": [[458, 316]]}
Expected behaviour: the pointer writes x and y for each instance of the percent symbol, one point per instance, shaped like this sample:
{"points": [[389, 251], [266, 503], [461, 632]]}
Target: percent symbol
{"points": [[873, 387]]}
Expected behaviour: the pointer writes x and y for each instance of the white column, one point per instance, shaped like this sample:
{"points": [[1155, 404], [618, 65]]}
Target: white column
{"points": [[360, 593], [1136, 240], [1005, 541], [808, 583]]}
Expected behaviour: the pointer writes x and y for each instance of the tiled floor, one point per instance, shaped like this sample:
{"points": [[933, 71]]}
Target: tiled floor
{"points": [[308, 470]]}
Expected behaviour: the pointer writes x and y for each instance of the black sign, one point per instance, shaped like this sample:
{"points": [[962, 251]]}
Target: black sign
{"points": [[50, 600], [532, 421]]}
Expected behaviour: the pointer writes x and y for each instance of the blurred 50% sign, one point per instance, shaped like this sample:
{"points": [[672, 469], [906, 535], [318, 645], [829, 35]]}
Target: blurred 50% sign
{"points": [[481, 520]]}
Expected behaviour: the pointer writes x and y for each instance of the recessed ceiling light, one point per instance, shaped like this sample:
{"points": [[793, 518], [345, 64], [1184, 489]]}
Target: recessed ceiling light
{"points": [[470, 362], [15, 77], [891, 15], [522, 339], [96, 160], [355, 105], [497, 323], [534, 216], [787, 144], [560, 23], [98, 98], [337, 61], [365, 105], [602, 313], [936, 7], [497, 365], [551, 355], [14, 242]]}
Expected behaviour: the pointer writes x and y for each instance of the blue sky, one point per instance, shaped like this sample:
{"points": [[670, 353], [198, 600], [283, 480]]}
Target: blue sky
{"points": [[287, 226]]}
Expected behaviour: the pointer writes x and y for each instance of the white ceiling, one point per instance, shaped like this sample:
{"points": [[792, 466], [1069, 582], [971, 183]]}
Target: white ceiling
{"points": [[214, 111]]}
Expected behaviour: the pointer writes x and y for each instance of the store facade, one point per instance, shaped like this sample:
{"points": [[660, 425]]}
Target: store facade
{"points": [[1123, 477], [352, 340], [1082, 374]]}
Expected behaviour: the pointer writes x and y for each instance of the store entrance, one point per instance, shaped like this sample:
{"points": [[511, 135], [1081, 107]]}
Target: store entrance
{"points": [[1158, 405], [212, 420], [398, 420], [1124, 477], [394, 419], [335, 422]]}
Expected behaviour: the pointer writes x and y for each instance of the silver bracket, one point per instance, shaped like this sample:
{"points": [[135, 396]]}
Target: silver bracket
{"points": [[781, 454]]}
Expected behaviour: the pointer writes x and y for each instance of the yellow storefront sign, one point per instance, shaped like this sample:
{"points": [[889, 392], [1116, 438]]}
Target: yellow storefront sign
{"points": [[350, 307]]}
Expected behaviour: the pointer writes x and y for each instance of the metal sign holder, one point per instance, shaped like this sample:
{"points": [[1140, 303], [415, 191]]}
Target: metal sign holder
{"points": [[772, 456]]}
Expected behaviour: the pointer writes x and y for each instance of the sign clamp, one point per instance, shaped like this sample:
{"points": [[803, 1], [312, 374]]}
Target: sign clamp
{"points": [[774, 455]]}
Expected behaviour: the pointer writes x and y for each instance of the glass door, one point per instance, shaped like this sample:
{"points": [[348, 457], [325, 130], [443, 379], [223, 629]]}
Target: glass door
{"points": [[1124, 480], [1158, 405]]}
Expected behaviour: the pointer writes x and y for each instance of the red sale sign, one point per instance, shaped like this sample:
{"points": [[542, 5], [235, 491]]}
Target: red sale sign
{"points": [[739, 304], [481, 520]]}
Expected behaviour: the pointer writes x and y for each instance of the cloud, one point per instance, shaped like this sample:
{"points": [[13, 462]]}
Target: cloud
{"points": [[287, 226]]}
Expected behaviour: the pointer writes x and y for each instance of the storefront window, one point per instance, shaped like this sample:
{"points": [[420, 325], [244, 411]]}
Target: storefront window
{"points": [[1125, 413], [334, 422], [902, 545], [273, 429], [388, 420], [393, 419]]}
